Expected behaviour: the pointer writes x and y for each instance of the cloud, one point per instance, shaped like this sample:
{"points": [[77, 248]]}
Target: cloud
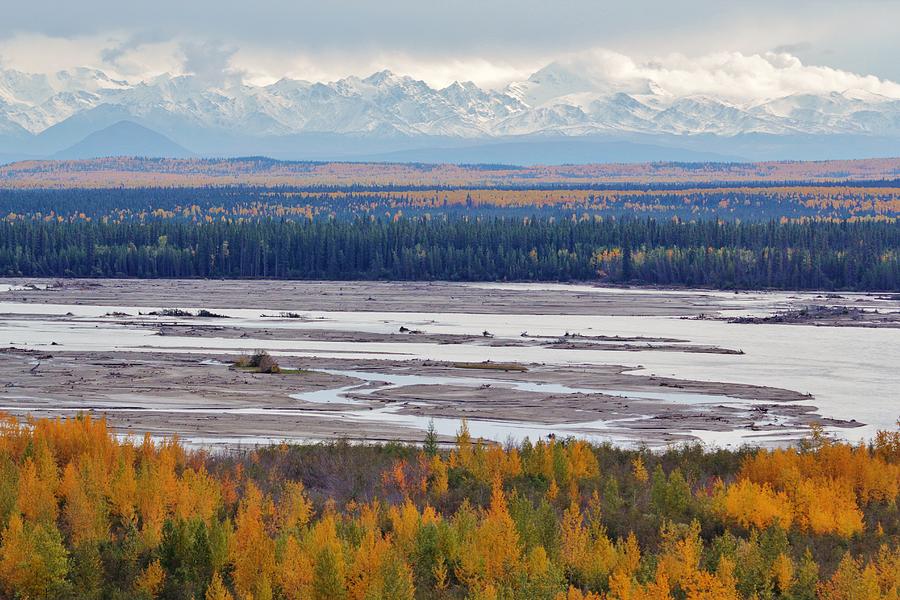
{"points": [[264, 67], [794, 48], [347, 35], [38, 53], [738, 75], [210, 62], [731, 75], [113, 54]]}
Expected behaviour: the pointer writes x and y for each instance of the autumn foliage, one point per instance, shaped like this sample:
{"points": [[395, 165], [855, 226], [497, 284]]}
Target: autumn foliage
{"points": [[86, 514], [172, 172]]}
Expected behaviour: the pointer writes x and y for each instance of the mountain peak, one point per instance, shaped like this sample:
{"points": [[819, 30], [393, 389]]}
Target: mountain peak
{"points": [[468, 86], [559, 99], [125, 138], [381, 77]]}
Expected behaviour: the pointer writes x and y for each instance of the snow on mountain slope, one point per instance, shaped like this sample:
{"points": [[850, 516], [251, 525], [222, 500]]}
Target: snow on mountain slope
{"points": [[557, 80], [9, 128], [37, 102], [853, 111], [703, 114], [556, 100]]}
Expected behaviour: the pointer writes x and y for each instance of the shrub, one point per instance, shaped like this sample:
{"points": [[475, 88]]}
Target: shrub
{"points": [[267, 364], [260, 360]]}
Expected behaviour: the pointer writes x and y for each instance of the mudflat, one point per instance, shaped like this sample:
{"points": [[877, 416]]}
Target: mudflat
{"points": [[144, 356], [371, 296]]}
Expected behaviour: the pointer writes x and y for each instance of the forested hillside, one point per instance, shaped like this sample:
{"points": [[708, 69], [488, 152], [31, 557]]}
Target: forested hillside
{"points": [[86, 515], [707, 224], [868, 201]]}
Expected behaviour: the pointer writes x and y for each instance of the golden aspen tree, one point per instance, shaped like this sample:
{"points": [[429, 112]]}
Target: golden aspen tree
{"points": [[263, 590], [329, 562], [887, 568], [575, 542], [540, 462], [229, 482], [851, 582], [369, 515], [783, 573], [493, 555], [37, 492], [629, 555], [123, 488], [217, 589], [151, 580], [252, 550], [83, 515], [364, 575], [574, 593], [537, 564], [484, 592], [552, 491], [582, 463], [151, 502], [294, 571], [440, 482], [542, 576], [15, 554], [622, 587], [494, 464], [294, 509], [827, 506], [396, 477], [198, 495], [463, 454], [755, 505], [405, 522], [441, 574], [680, 549], [33, 560]]}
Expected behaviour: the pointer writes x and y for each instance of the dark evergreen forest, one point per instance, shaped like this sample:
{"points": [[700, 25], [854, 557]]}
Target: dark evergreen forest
{"points": [[807, 255]]}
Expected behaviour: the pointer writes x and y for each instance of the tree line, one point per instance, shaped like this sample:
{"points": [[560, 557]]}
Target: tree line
{"points": [[857, 201], [810, 255]]}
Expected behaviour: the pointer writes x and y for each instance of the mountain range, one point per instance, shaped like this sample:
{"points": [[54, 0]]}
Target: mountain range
{"points": [[557, 115]]}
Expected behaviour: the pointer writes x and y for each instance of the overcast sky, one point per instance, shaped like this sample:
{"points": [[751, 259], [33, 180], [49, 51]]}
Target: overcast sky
{"points": [[487, 41]]}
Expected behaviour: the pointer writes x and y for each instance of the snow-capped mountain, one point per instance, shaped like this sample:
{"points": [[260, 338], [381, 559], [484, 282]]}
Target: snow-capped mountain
{"points": [[555, 101], [36, 102]]}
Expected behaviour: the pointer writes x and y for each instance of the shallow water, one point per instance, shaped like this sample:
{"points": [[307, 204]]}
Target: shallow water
{"points": [[392, 380], [599, 430]]}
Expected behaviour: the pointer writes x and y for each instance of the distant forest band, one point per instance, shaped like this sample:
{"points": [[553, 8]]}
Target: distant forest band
{"points": [[813, 255]]}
